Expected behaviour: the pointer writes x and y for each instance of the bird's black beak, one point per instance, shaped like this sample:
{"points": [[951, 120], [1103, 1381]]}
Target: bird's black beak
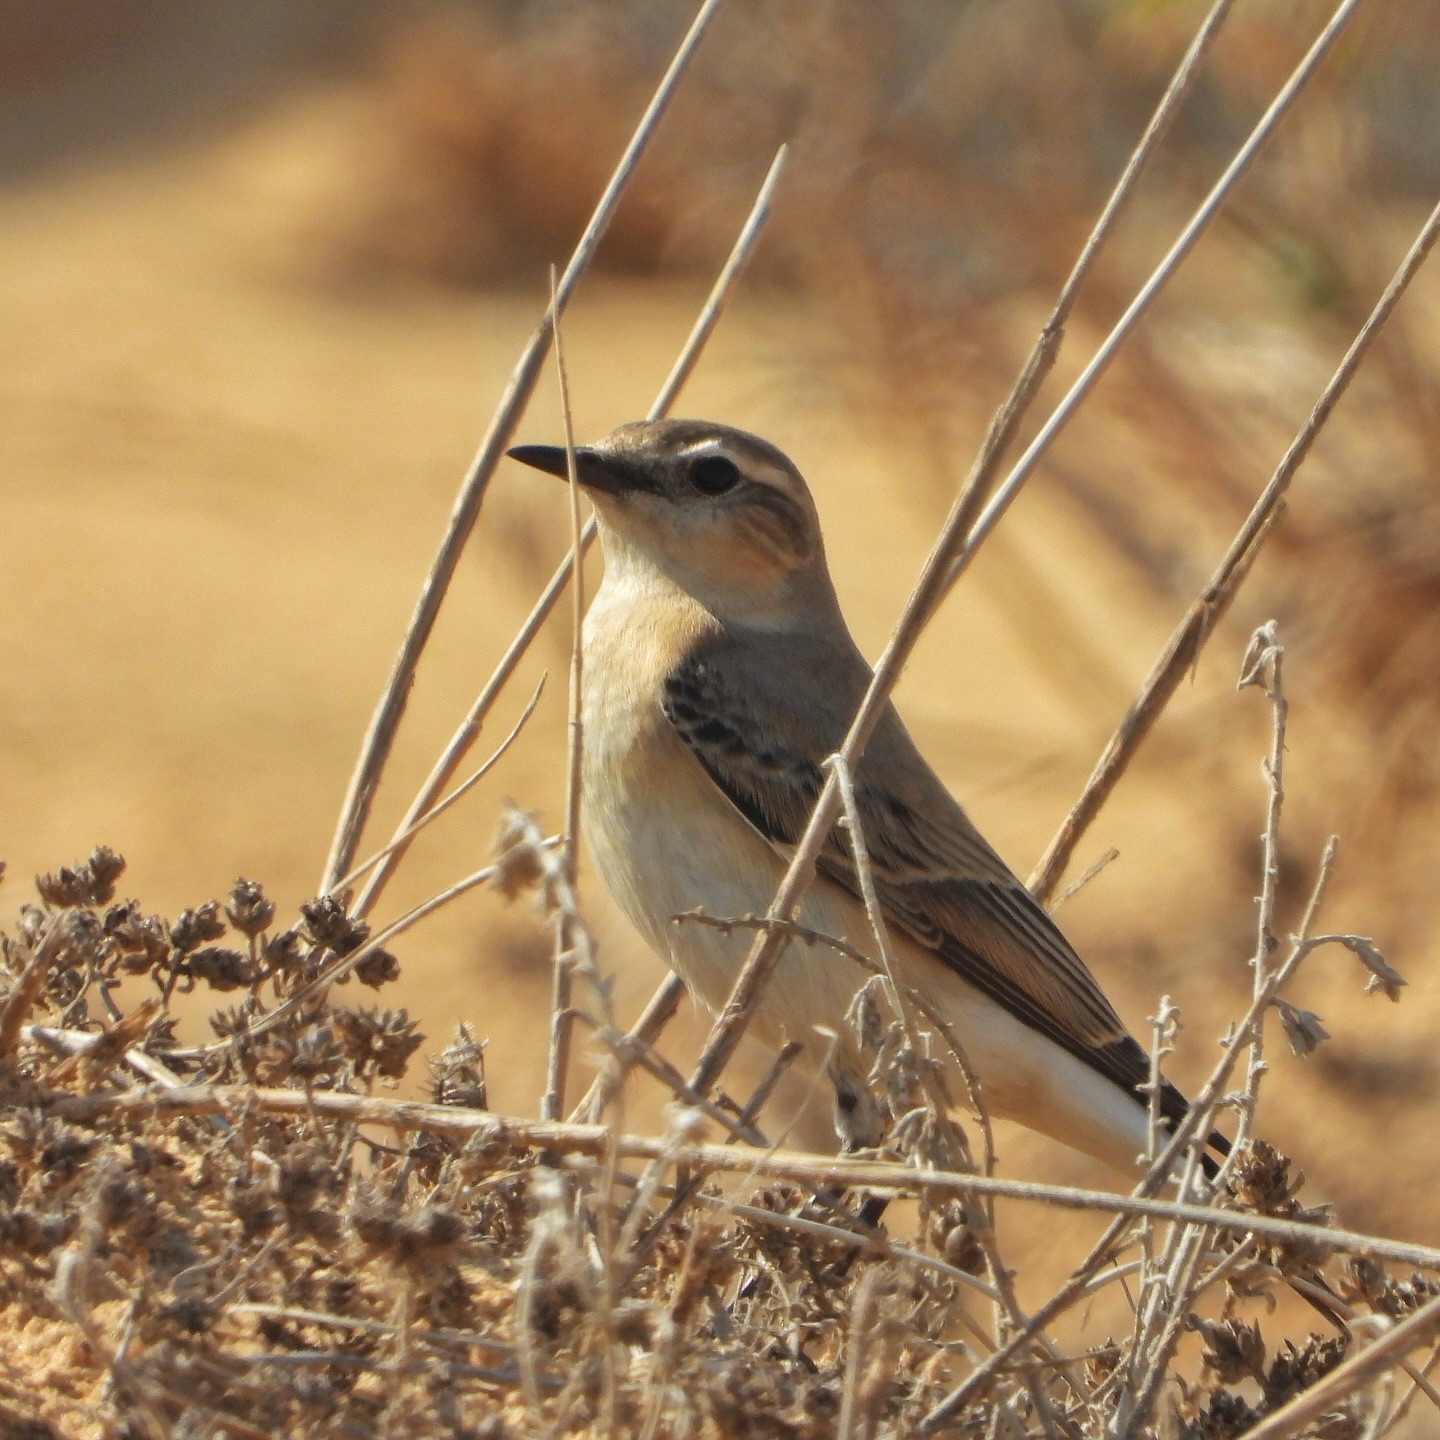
{"points": [[593, 470]]}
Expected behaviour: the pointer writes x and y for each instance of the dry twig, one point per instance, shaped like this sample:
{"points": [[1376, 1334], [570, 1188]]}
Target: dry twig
{"points": [[380, 736], [1182, 650], [469, 728]]}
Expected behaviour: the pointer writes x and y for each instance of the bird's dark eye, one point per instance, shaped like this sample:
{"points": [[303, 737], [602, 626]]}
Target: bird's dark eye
{"points": [[714, 474]]}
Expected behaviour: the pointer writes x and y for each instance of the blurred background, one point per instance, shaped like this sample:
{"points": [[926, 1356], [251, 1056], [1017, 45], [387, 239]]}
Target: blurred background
{"points": [[266, 269]]}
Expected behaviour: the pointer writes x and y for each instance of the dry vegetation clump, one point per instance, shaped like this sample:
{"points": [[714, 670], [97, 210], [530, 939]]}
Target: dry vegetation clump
{"points": [[251, 1237]]}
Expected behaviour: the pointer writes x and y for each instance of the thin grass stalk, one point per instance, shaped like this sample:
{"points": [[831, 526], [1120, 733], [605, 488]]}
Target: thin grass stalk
{"points": [[1420, 1384], [1264, 666], [949, 557], [558, 1059], [1008, 1314], [1159, 1333], [657, 1014], [1196, 226], [1041, 359], [876, 1244], [1182, 650], [380, 736], [469, 729], [404, 836], [861, 1321]]}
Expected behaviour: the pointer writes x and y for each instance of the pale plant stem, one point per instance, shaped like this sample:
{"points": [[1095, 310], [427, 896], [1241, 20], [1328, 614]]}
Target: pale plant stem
{"points": [[1160, 277], [952, 1146], [873, 1245], [1008, 1314], [1159, 1332], [917, 1000], [631, 1053], [645, 1031], [470, 727], [1381, 1406], [558, 1059], [26, 989], [380, 736], [409, 832], [1172, 1301], [785, 1057], [1038, 364], [860, 1325], [1182, 650], [1420, 1384], [798, 1167], [1163, 1026], [948, 558], [1266, 659]]}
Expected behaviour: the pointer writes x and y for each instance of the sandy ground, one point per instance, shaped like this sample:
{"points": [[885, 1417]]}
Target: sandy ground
{"points": [[223, 483]]}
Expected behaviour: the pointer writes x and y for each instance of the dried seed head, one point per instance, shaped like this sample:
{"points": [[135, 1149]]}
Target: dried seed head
{"points": [[1295, 1369], [378, 968], [285, 952], [407, 1236], [141, 941], [219, 968], [331, 927], [195, 927], [1302, 1027], [1383, 975], [377, 1042], [307, 1054], [249, 911], [519, 859], [1226, 1417], [1233, 1350], [865, 1017], [955, 1242], [252, 1204], [1363, 1281], [90, 883], [305, 1173], [1260, 1180], [1100, 1365], [457, 1074]]}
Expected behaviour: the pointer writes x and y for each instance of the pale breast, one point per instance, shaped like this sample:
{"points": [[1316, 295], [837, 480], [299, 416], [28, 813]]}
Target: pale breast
{"points": [[665, 840]]}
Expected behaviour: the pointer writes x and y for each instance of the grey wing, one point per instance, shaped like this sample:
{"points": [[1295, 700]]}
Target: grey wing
{"points": [[937, 879]]}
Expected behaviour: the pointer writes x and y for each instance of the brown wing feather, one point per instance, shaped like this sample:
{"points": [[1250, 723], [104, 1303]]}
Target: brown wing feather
{"points": [[936, 877]]}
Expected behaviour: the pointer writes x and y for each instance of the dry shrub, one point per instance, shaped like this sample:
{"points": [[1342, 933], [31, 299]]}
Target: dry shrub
{"points": [[250, 1266]]}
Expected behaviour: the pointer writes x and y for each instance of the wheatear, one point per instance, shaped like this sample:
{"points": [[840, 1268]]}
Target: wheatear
{"points": [[719, 676]]}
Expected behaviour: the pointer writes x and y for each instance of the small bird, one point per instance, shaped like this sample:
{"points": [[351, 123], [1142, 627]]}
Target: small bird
{"points": [[719, 676]]}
